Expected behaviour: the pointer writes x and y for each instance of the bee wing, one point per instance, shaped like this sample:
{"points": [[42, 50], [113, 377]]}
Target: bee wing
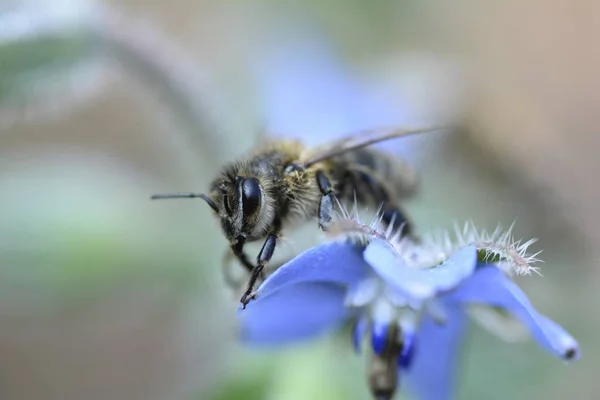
{"points": [[358, 140]]}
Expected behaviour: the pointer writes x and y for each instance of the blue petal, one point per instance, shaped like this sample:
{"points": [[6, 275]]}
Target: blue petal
{"points": [[408, 349], [300, 312], [491, 286], [334, 262], [558, 335], [416, 283], [308, 91], [432, 375], [379, 333]]}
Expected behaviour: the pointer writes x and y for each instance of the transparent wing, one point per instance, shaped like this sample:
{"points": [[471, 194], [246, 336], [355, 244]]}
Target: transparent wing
{"points": [[360, 139]]}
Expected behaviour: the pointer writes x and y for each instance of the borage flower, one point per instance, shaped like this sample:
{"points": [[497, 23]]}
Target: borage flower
{"points": [[411, 299]]}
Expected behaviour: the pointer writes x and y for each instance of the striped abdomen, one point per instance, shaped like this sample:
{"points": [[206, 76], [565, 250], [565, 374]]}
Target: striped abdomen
{"points": [[376, 177]]}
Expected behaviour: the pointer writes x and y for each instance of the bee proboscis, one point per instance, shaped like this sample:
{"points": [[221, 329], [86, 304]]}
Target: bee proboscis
{"points": [[282, 182]]}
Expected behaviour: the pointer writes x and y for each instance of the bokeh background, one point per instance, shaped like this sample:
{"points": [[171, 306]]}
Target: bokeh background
{"points": [[106, 295]]}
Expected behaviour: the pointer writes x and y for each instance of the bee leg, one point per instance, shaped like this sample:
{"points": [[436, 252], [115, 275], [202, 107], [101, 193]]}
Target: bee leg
{"points": [[325, 211], [233, 281], [263, 257], [238, 251], [227, 275], [394, 217], [392, 214]]}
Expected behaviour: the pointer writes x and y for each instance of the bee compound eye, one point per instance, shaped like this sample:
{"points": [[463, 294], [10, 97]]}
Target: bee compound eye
{"points": [[251, 195]]}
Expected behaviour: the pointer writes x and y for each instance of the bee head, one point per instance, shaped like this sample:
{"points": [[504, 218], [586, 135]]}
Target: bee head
{"points": [[240, 207], [241, 204]]}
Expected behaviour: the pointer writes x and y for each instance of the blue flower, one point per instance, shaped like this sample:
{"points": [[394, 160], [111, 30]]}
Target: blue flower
{"points": [[415, 317]]}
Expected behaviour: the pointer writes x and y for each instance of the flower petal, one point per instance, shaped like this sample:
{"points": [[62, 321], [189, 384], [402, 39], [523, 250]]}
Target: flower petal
{"points": [[379, 336], [408, 349], [432, 375], [334, 262], [489, 285], [364, 292], [300, 312], [419, 284], [561, 337]]}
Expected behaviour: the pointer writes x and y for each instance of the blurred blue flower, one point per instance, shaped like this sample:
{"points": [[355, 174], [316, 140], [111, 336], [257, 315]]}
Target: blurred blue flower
{"points": [[309, 91], [414, 316]]}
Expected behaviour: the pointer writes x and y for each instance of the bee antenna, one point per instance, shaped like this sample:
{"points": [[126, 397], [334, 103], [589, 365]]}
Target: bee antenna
{"points": [[186, 196]]}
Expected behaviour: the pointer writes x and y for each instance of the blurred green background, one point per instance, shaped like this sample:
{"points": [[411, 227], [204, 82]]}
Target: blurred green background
{"points": [[106, 295]]}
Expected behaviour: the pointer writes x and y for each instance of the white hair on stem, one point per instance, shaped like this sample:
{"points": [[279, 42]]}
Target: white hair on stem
{"points": [[434, 248]]}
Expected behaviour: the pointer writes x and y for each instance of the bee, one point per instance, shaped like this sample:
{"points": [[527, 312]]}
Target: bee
{"points": [[283, 182]]}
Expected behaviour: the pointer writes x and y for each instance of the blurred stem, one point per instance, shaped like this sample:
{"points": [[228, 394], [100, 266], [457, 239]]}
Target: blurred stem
{"points": [[37, 47], [51, 52], [150, 59]]}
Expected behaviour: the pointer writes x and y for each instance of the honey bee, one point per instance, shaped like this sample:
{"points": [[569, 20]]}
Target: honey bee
{"points": [[283, 182]]}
